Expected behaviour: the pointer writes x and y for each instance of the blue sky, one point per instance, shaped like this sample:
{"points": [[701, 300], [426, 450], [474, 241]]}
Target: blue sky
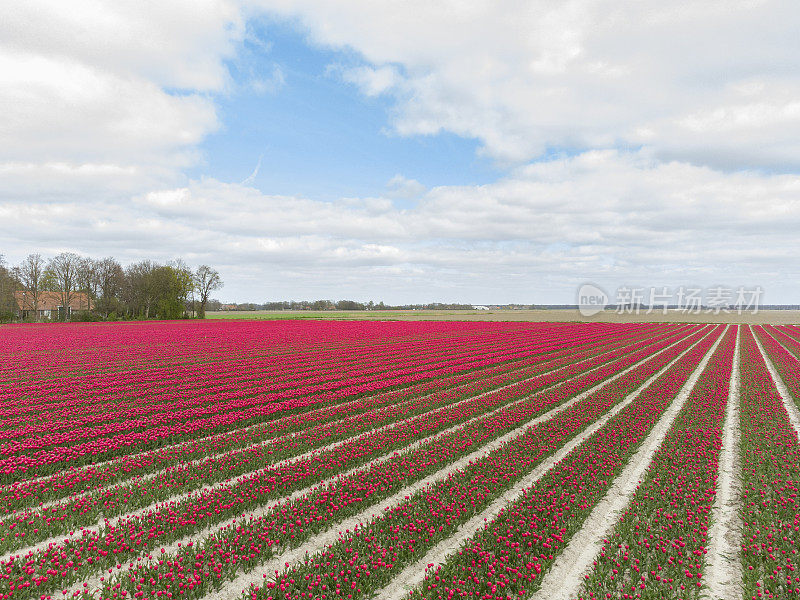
{"points": [[410, 152], [317, 135]]}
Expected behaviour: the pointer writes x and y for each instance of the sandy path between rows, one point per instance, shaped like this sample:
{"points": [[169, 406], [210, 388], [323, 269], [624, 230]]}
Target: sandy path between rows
{"points": [[723, 572]]}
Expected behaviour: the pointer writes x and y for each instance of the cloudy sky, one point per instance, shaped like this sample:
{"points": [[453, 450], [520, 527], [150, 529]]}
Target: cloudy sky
{"points": [[476, 151]]}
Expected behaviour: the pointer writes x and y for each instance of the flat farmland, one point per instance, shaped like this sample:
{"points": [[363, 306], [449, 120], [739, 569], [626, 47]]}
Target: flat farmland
{"points": [[328, 459], [762, 317]]}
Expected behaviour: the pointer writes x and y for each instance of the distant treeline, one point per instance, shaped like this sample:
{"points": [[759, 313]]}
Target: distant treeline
{"points": [[345, 305], [78, 288], [216, 305]]}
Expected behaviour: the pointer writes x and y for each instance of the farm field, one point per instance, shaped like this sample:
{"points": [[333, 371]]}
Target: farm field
{"points": [[346, 459], [557, 315]]}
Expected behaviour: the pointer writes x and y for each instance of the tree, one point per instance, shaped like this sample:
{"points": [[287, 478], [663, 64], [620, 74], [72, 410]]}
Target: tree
{"points": [[206, 280], [110, 280], [62, 275], [86, 278], [349, 305], [139, 291], [8, 285], [145, 289], [185, 282], [30, 273], [169, 292], [322, 305]]}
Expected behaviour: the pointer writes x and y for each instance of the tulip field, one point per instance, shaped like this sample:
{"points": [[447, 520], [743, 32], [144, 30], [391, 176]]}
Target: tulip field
{"points": [[305, 460]]}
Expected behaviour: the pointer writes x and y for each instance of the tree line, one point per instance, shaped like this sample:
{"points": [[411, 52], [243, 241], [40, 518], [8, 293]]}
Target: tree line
{"points": [[142, 290], [340, 305]]}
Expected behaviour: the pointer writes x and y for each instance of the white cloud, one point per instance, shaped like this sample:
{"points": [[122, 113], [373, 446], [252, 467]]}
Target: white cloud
{"points": [[104, 105], [403, 187], [90, 88], [533, 236], [175, 44], [713, 82], [55, 109], [372, 81]]}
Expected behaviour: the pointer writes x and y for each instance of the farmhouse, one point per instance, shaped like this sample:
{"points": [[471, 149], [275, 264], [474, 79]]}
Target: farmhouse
{"points": [[49, 305]]}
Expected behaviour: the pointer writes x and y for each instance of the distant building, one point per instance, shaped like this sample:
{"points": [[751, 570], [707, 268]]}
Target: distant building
{"points": [[49, 306], [477, 307], [229, 307]]}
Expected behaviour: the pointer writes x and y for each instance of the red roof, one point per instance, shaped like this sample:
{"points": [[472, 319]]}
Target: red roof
{"points": [[50, 300]]}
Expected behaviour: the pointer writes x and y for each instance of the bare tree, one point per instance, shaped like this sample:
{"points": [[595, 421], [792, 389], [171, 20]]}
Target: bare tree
{"points": [[139, 290], [110, 280], [206, 280], [87, 278], [62, 274], [30, 273]]}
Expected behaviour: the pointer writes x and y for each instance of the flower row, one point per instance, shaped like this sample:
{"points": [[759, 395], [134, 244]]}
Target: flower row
{"points": [[73, 559], [770, 455], [155, 436], [502, 559], [25, 527], [657, 547], [79, 480]]}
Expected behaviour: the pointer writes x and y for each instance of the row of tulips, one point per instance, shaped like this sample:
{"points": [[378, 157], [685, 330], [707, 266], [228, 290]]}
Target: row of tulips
{"points": [[227, 390], [155, 435], [657, 548], [785, 337], [175, 342], [78, 480], [148, 382], [121, 393], [74, 559], [49, 443], [526, 535], [149, 433], [787, 365], [26, 527], [770, 455], [252, 380], [792, 330], [56, 357], [59, 358], [317, 511], [509, 556], [181, 408], [69, 390]]}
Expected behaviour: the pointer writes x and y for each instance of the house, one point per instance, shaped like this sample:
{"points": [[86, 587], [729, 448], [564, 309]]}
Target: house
{"points": [[49, 306]]}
